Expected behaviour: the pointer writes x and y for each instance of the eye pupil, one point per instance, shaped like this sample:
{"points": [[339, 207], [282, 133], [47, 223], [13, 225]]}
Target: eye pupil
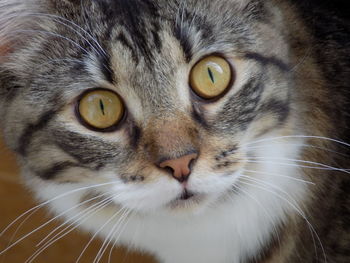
{"points": [[211, 75], [102, 106]]}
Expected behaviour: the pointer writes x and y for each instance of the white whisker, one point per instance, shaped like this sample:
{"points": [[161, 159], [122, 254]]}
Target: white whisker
{"points": [[301, 145], [61, 20], [259, 204], [62, 234], [301, 161], [110, 236], [128, 248], [301, 213], [51, 220], [279, 175], [98, 231], [76, 216], [296, 165], [117, 238], [266, 184], [86, 213], [52, 34], [34, 209], [298, 137], [303, 59]]}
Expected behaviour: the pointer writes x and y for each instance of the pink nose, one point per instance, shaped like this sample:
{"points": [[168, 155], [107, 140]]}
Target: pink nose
{"points": [[180, 167]]}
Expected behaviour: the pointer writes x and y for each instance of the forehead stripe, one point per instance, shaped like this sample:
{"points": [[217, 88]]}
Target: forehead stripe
{"points": [[267, 60], [126, 43]]}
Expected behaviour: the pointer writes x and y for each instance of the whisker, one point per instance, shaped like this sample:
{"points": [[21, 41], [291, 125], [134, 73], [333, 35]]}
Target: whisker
{"points": [[296, 208], [297, 165], [74, 220], [300, 137], [301, 161], [110, 236], [76, 216], [98, 231], [110, 254], [301, 213], [55, 17], [51, 220], [52, 34], [266, 184], [34, 209], [128, 249], [303, 145], [59, 19], [279, 175], [59, 236], [259, 204], [303, 59], [117, 238]]}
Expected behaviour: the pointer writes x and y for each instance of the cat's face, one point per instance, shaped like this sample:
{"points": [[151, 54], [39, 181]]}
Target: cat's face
{"points": [[149, 56]]}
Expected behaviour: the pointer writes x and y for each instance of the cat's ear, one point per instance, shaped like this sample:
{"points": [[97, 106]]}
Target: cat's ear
{"points": [[15, 21], [250, 6], [4, 49], [75, 2], [67, 2]]}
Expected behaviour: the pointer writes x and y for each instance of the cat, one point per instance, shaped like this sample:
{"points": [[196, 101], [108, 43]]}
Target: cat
{"points": [[195, 130]]}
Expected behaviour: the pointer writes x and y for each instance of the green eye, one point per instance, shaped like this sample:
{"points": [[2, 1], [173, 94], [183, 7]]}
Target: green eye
{"points": [[211, 77], [101, 109]]}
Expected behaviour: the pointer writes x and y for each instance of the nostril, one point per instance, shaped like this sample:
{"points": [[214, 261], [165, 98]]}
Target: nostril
{"points": [[168, 169], [192, 163], [182, 178]]}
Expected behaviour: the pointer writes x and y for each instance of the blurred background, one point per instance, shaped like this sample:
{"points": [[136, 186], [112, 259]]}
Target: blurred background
{"points": [[15, 199]]}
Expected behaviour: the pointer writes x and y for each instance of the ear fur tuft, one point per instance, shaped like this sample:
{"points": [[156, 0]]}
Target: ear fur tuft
{"points": [[14, 17]]}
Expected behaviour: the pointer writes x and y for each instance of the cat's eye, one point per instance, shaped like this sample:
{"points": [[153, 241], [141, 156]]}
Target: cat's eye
{"points": [[100, 109], [211, 77]]}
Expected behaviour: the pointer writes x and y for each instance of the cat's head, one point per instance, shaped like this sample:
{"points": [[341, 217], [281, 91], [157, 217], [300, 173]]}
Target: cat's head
{"points": [[160, 105]]}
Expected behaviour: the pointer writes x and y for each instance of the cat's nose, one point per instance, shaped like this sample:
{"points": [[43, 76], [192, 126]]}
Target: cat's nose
{"points": [[180, 167]]}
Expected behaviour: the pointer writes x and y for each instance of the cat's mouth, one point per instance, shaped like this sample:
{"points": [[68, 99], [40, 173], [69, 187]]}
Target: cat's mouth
{"points": [[186, 195], [186, 199]]}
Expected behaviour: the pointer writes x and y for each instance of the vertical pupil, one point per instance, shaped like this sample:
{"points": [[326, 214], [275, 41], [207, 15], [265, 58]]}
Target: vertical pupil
{"points": [[211, 75], [102, 106]]}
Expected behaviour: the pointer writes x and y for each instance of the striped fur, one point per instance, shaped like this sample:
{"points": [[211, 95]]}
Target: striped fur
{"points": [[251, 201]]}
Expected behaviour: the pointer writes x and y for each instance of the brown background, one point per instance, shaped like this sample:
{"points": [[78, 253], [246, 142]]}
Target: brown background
{"points": [[14, 200]]}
